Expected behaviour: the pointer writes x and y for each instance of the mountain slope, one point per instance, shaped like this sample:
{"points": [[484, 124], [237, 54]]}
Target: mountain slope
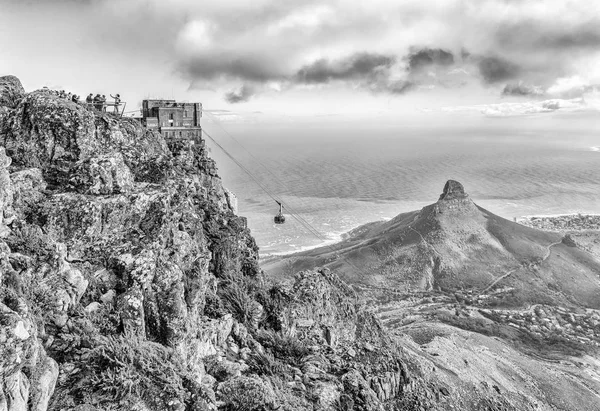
{"points": [[455, 245]]}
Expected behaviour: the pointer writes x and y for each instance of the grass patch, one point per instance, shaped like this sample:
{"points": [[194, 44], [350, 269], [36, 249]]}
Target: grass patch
{"points": [[122, 371]]}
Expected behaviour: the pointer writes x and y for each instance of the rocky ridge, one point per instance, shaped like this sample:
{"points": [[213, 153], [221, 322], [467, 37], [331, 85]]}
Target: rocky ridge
{"points": [[128, 282]]}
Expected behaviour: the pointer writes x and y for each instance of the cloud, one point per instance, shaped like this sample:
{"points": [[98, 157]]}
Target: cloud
{"points": [[357, 66], [495, 69], [373, 72], [424, 58], [575, 86], [241, 95], [528, 107], [381, 46], [521, 89]]}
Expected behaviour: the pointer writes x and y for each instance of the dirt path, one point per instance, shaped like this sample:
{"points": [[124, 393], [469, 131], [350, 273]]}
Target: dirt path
{"points": [[546, 256], [549, 250], [425, 241]]}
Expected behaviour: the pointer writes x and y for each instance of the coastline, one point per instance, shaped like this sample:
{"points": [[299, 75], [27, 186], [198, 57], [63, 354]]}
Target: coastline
{"points": [[338, 237], [561, 222]]}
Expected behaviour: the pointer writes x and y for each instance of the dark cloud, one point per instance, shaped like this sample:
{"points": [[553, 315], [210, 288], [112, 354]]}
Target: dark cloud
{"points": [[495, 69], [395, 87], [240, 67], [357, 66], [240, 95], [424, 58], [373, 72], [521, 89]]}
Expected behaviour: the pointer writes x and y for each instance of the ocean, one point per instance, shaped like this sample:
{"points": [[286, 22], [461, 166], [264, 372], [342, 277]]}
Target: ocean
{"points": [[337, 178]]}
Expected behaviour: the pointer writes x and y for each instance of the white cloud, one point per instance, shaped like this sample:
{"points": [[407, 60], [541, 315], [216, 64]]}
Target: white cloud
{"points": [[527, 108], [568, 85], [224, 44]]}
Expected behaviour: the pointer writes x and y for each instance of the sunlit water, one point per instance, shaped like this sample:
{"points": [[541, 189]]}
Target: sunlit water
{"points": [[339, 179]]}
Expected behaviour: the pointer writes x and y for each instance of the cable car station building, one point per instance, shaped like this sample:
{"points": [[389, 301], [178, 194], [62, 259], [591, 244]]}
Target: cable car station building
{"points": [[172, 119]]}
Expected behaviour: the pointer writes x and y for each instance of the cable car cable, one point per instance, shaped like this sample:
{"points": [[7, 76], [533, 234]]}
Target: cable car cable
{"points": [[305, 224], [287, 206], [293, 213]]}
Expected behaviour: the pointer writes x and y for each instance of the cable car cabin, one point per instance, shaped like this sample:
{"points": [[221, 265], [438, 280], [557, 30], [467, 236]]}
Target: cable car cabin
{"points": [[279, 218]]}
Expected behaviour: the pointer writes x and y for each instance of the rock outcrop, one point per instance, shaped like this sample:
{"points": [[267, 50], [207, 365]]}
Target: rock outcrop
{"points": [[453, 190], [11, 91], [127, 281]]}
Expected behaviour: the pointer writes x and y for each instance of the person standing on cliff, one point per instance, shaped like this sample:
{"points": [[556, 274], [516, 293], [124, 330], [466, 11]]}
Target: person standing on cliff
{"points": [[90, 101], [98, 102], [117, 102], [103, 101]]}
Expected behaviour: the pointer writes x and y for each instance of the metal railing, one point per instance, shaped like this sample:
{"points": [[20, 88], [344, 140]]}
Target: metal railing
{"points": [[97, 106]]}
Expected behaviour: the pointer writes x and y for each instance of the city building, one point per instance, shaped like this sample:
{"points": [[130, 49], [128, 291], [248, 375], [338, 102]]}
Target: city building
{"points": [[172, 119]]}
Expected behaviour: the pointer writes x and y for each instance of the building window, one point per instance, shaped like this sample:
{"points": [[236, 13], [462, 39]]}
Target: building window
{"points": [[171, 116], [185, 113]]}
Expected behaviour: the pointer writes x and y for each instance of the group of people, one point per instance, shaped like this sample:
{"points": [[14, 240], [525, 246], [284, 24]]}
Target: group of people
{"points": [[98, 102], [63, 94]]}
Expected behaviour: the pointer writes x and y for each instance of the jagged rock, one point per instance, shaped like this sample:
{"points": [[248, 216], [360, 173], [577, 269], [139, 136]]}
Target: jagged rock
{"points": [[319, 305], [54, 134], [108, 297], [327, 396], [43, 385], [22, 354], [453, 190], [27, 186], [15, 394], [68, 288], [6, 192], [103, 175], [361, 394], [11, 91]]}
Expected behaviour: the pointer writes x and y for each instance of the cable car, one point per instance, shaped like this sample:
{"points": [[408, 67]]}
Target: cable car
{"points": [[279, 218]]}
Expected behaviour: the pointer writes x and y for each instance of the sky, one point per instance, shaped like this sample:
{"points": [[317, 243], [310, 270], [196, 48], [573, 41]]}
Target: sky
{"points": [[335, 61]]}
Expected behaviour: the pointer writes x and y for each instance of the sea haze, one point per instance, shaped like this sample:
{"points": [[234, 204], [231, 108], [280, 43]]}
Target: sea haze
{"points": [[340, 177]]}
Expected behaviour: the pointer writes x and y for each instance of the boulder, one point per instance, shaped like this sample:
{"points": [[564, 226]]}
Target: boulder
{"points": [[326, 396], [11, 91]]}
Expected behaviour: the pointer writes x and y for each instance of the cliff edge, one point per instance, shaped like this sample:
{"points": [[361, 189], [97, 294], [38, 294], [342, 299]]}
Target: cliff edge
{"points": [[128, 282]]}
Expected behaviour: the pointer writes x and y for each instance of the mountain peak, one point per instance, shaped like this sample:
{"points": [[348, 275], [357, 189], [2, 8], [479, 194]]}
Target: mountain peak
{"points": [[453, 190]]}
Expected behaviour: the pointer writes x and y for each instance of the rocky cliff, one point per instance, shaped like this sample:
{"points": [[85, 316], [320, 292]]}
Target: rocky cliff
{"points": [[128, 282]]}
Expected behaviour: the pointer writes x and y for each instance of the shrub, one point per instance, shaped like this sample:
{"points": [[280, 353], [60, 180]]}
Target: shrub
{"points": [[285, 347], [125, 370], [265, 364], [237, 301], [247, 394]]}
